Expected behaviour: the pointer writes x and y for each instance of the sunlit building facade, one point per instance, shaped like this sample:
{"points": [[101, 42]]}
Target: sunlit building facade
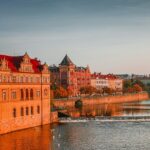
{"points": [[100, 81], [24, 93], [70, 76]]}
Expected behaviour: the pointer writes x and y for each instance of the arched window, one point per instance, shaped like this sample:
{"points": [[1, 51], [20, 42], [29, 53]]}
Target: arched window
{"points": [[38, 109], [31, 94], [31, 110], [22, 111], [22, 94], [27, 94], [14, 112], [27, 111]]}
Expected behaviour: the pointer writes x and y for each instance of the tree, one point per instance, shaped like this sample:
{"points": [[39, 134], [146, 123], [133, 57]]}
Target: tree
{"points": [[70, 91], [130, 90], [137, 88], [131, 86], [138, 82], [87, 90], [108, 90], [60, 93]]}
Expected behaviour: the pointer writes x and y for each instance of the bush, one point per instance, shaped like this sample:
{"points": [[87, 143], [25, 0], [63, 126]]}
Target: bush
{"points": [[78, 104]]}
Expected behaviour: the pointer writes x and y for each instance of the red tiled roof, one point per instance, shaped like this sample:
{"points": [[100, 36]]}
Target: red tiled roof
{"points": [[102, 76], [14, 63]]}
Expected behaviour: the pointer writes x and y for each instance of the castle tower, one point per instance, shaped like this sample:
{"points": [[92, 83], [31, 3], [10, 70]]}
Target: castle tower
{"points": [[67, 74]]}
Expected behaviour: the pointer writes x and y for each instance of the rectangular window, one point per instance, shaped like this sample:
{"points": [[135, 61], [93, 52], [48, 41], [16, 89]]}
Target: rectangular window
{"points": [[31, 79], [38, 93], [13, 95], [26, 79], [31, 110], [22, 111], [38, 109], [14, 112], [27, 111], [21, 79], [13, 78], [4, 95], [4, 78]]}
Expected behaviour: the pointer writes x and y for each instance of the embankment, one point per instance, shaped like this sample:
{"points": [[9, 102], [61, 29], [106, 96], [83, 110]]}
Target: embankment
{"points": [[103, 100]]}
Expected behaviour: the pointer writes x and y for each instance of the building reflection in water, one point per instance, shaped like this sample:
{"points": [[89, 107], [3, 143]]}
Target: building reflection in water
{"points": [[122, 109], [37, 138], [97, 110]]}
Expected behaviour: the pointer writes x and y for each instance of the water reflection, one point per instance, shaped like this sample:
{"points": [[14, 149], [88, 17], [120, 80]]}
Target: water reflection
{"points": [[38, 138], [89, 135], [122, 109]]}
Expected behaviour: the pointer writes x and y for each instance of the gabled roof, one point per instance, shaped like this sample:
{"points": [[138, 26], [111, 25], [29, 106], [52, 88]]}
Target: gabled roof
{"points": [[15, 61], [66, 61]]}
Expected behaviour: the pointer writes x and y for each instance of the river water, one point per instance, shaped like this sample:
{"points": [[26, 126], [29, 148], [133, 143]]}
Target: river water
{"points": [[89, 134]]}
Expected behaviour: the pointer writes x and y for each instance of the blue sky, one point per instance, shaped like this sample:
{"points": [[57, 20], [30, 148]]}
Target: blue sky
{"points": [[112, 36]]}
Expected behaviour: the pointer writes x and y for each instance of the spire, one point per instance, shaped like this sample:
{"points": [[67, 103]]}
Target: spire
{"points": [[66, 61]]}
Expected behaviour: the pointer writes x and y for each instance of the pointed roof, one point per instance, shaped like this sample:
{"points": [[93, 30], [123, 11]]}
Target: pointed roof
{"points": [[66, 61]]}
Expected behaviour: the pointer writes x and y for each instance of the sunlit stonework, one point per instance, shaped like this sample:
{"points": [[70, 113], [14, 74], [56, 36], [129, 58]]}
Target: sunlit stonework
{"points": [[24, 92]]}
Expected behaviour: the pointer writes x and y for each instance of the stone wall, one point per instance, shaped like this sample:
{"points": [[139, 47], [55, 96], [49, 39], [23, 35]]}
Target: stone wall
{"points": [[54, 117], [103, 100]]}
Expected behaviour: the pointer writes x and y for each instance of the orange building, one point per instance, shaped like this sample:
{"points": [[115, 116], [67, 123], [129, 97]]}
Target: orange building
{"points": [[70, 76], [24, 93]]}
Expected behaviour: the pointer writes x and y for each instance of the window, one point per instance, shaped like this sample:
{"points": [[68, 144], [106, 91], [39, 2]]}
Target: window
{"points": [[27, 111], [26, 60], [31, 110], [4, 97], [4, 78], [31, 94], [48, 80], [22, 111], [26, 79], [45, 92], [38, 109], [13, 78], [13, 95], [14, 112], [38, 93], [21, 79], [37, 79], [27, 94], [9, 79], [31, 79], [22, 94]]}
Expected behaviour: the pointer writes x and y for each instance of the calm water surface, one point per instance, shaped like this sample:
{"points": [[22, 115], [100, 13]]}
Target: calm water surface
{"points": [[87, 135]]}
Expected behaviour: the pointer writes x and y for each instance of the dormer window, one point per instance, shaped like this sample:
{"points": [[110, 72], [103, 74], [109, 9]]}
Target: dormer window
{"points": [[26, 65], [26, 60], [4, 64]]}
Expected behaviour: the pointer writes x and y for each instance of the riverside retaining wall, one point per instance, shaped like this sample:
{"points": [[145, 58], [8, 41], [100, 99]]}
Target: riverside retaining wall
{"points": [[54, 117], [103, 99]]}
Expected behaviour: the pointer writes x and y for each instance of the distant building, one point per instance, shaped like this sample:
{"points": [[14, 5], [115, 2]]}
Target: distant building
{"points": [[24, 92], [124, 76], [100, 81], [70, 76]]}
